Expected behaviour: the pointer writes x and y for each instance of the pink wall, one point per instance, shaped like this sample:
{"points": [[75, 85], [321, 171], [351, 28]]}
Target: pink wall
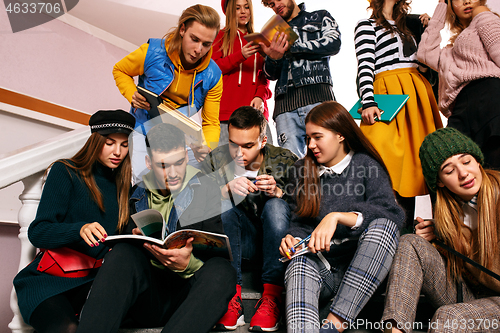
{"points": [[61, 64], [9, 257]]}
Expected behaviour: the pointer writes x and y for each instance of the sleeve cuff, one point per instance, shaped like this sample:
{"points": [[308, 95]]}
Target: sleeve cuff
{"points": [[359, 221], [193, 266]]}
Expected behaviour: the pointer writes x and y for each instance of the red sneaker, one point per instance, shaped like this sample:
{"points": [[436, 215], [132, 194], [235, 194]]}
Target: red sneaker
{"points": [[266, 318], [233, 317]]}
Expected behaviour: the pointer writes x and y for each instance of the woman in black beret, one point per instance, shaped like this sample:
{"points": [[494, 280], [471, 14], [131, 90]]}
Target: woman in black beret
{"points": [[85, 199]]}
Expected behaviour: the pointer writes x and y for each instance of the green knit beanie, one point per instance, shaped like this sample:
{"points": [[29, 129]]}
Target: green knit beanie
{"points": [[439, 146]]}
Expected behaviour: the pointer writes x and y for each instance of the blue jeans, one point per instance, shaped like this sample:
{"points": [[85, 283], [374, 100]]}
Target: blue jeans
{"points": [[291, 129], [245, 237]]}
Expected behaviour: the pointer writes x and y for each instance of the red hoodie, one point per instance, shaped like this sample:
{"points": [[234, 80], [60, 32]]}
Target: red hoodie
{"points": [[243, 79]]}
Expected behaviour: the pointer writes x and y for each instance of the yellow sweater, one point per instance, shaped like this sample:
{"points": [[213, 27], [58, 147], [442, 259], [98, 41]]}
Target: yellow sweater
{"points": [[178, 91]]}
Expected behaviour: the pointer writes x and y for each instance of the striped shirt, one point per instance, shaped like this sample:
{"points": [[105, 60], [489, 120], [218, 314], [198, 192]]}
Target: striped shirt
{"points": [[377, 50]]}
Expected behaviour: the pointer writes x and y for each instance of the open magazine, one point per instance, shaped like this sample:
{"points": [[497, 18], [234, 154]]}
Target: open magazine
{"points": [[152, 226], [274, 25]]}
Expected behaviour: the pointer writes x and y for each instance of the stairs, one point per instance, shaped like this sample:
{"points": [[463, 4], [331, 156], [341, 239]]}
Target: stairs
{"points": [[371, 314]]}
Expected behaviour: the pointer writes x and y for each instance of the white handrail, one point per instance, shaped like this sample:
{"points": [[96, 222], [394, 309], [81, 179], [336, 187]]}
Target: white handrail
{"points": [[24, 162], [28, 165]]}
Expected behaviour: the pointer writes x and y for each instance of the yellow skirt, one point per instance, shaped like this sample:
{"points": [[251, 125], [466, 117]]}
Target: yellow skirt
{"points": [[398, 142]]}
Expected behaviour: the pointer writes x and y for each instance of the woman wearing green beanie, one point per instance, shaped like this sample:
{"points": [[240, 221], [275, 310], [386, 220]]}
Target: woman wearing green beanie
{"points": [[467, 219]]}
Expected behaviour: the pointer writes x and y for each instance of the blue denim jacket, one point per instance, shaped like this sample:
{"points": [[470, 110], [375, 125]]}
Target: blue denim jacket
{"points": [[196, 207], [308, 58]]}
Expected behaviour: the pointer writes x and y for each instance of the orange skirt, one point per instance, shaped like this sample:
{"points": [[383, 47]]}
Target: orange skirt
{"points": [[398, 141]]}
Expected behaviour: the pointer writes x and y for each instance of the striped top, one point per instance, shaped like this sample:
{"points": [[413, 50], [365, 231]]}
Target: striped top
{"points": [[378, 50]]}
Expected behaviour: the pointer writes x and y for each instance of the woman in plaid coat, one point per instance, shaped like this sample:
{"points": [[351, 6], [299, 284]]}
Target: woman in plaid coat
{"points": [[342, 197], [467, 213]]}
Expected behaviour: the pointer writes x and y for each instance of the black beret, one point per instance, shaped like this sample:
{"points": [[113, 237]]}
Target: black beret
{"points": [[112, 121]]}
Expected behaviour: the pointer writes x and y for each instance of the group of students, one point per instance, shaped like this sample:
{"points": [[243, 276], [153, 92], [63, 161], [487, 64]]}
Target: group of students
{"points": [[338, 200]]}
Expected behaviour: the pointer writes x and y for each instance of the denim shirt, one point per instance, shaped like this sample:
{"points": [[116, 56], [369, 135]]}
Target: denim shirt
{"points": [[308, 59], [196, 206]]}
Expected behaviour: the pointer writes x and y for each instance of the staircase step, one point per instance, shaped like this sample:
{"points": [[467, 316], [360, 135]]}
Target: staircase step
{"points": [[243, 329], [252, 291]]}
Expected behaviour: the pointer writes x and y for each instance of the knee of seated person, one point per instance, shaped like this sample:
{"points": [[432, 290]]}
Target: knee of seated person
{"points": [[380, 227], [124, 254], [410, 240], [449, 313], [64, 327], [230, 215], [382, 223], [298, 264], [277, 211], [220, 271], [276, 205], [71, 328]]}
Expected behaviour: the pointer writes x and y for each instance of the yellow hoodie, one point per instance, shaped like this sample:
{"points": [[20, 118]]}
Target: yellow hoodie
{"points": [[178, 91]]}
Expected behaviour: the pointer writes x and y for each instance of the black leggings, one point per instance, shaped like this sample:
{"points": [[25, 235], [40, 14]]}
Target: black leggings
{"points": [[59, 314], [476, 114], [129, 290]]}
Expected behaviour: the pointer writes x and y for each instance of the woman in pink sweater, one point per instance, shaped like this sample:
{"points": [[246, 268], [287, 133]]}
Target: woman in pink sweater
{"points": [[241, 65], [469, 71]]}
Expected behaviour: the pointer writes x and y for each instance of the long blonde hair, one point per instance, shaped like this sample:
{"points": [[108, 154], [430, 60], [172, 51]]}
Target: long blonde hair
{"points": [[231, 28], [82, 163], [449, 215], [456, 27], [205, 15]]}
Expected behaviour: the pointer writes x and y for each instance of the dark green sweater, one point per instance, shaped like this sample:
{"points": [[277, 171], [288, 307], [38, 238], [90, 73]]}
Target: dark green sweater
{"points": [[65, 206]]}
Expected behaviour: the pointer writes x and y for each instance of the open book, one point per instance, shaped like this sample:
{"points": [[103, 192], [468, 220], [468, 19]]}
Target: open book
{"points": [[193, 130], [152, 226], [153, 99], [274, 25]]}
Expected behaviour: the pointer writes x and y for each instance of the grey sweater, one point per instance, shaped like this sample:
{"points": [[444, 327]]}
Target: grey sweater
{"points": [[362, 187]]}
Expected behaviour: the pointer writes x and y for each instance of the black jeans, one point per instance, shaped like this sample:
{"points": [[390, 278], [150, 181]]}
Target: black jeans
{"points": [[129, 289]]}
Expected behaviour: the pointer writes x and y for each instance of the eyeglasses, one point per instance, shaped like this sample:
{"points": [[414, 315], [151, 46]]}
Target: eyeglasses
{"points": [[460, 3]]}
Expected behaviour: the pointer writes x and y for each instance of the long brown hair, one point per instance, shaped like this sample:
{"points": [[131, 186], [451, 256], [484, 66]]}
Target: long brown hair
{"points": [[448, 214], [456, 26], [399, 13], [231, 28], [205, 15], [333, 117], [82, 163]]}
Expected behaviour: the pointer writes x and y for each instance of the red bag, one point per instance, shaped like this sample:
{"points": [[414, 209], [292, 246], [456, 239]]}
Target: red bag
{"points": [[66, 262]]}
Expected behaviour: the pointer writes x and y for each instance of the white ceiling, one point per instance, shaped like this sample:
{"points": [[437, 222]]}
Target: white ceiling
{"points": [[135, 20]]}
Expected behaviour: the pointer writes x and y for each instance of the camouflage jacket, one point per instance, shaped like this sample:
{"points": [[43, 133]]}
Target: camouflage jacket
{"points": [[277, 161]]}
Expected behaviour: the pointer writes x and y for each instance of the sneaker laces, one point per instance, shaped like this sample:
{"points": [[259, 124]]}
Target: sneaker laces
{"points": [[234, 305], [267, 306]]}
